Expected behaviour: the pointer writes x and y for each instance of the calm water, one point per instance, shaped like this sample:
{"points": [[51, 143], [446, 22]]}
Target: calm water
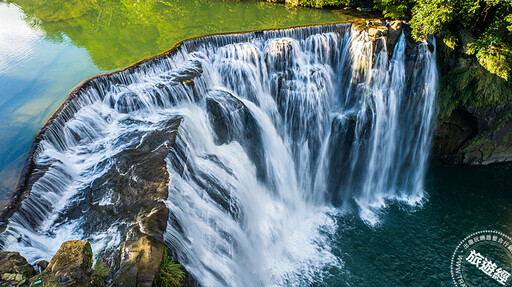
{"points": [[414, 248], [49, 46]]}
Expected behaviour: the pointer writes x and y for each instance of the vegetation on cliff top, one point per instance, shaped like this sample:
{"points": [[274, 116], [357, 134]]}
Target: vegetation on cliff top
{"points": [[481, 28]]}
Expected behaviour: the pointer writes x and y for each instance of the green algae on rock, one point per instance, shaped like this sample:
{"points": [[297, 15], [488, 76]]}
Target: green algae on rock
{"points": [[71, 266]]}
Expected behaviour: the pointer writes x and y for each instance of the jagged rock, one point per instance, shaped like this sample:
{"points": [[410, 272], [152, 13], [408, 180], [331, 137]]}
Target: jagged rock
{"points": [[70, 266], [14, 269], [142, 201], [41, 265], [140, 262], [476, 136], [394, 30], [377, 28], [225, 111]]}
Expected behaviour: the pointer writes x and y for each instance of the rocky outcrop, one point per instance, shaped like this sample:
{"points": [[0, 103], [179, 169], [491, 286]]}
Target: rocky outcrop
{"points": [[14, 269], [474, 136], [378, 28], [139, 181], [71, 266], [140, 262]]}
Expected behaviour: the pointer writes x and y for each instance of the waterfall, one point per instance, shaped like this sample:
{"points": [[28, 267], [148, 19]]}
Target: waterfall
{"points": [[276, 134]]}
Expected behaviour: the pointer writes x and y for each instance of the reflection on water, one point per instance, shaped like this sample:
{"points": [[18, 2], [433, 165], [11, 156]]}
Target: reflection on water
{"points": [[48, 46], [120, 32], [35, 76], [17, 40]]}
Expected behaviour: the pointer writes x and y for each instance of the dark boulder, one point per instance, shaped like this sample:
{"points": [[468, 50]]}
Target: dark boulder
{"points": [[41, 265]]}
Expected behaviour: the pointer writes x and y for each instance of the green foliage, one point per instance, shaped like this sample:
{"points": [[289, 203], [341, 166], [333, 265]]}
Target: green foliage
{"points": [[318, 3], [101, 269], [473, 86], [102, 272], [493, 48], [430, 16], [479, 28], [396, 9], [170, 274]]}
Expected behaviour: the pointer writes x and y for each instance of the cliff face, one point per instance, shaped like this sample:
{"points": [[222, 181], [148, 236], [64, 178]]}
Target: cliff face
{"points": [[475, 117], [474, 136]]}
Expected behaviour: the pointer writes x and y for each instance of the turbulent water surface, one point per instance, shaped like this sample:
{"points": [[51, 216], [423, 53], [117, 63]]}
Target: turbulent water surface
{"points": [[282, 135]]}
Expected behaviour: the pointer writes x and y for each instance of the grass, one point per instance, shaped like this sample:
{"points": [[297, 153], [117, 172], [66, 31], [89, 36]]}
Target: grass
{"points": [[102, 272], [171, 274]]}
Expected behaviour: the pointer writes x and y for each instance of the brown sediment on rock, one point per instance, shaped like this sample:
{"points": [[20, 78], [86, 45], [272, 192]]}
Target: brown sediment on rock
{"points": [[377, 28]]}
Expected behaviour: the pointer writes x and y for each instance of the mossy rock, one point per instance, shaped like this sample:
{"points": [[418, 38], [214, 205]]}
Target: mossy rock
{"points": [[71, 266], [14, 269]]}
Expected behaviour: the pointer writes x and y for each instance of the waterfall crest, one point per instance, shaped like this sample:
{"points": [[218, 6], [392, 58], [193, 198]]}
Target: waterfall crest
{"points": [[276, 133]]}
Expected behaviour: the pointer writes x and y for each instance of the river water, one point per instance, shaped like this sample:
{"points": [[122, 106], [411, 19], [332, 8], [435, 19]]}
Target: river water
{"points": [[287, 219]]}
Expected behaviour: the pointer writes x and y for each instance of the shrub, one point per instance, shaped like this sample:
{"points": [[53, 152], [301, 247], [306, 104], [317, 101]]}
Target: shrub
{"points": [[170, 274]]}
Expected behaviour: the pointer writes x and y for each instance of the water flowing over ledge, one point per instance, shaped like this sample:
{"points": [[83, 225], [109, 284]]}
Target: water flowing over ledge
{"points": [[266, 136]]}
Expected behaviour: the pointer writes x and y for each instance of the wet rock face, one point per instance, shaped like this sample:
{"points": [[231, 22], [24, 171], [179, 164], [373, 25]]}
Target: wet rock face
{"points": [[141, 201], [232, 120], [14, 269], [476, 136], [137, 185], [452, 134], [71, 266], [377, 28]]}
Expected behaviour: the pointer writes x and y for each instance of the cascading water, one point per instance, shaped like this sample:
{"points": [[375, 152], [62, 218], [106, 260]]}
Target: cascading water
{"points": [[276, 133]]}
